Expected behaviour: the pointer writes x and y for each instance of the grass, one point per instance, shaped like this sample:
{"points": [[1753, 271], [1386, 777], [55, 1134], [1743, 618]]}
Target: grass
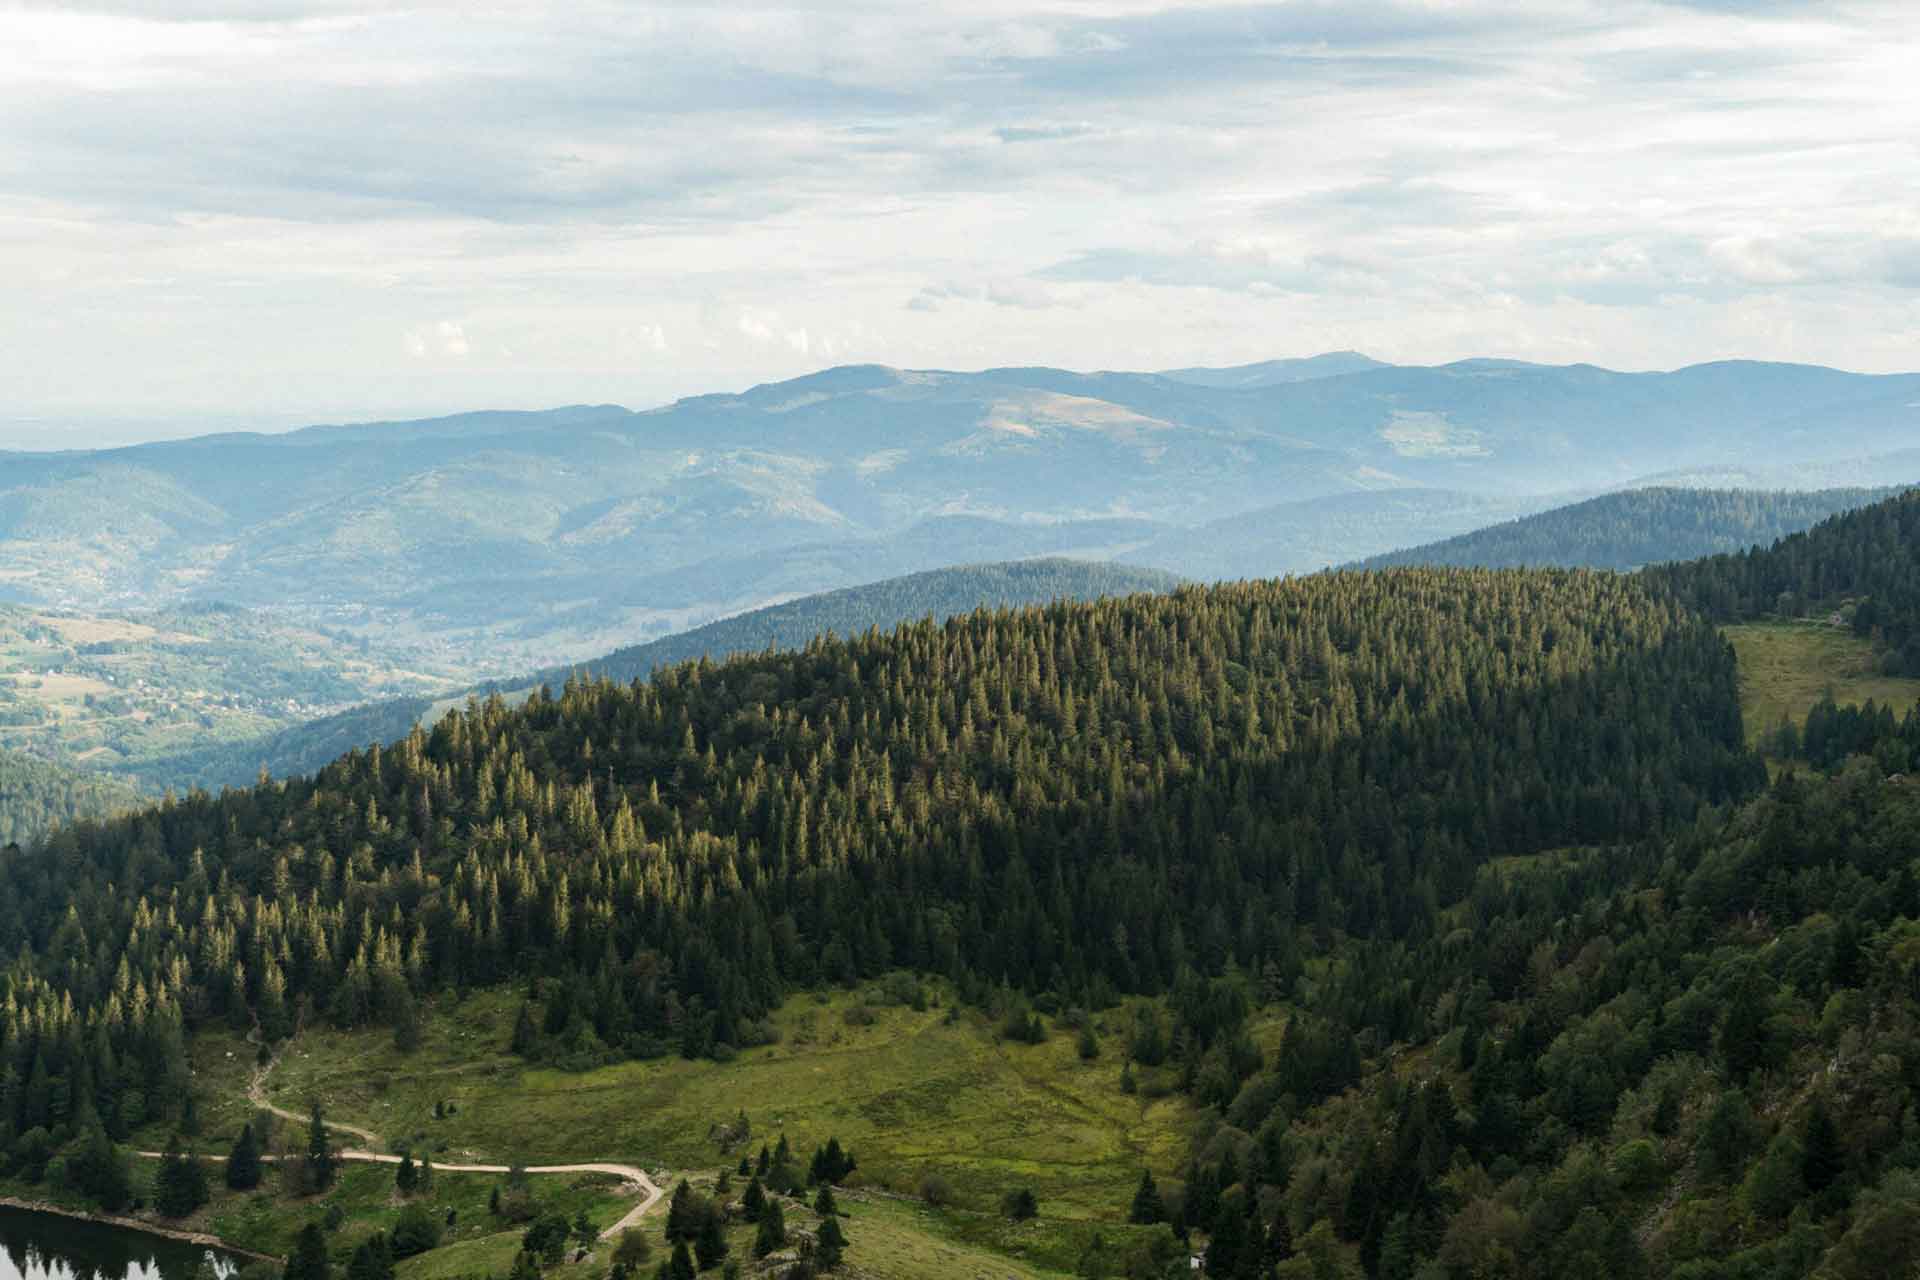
{"points": [[1786, 667], [911, 1093]]}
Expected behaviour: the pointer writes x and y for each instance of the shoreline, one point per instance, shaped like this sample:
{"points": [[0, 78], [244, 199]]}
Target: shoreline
{"points": [[182, 1234]]}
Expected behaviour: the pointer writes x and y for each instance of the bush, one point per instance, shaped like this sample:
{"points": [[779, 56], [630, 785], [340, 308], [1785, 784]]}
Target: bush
{"points": [[1020, 1205], [633, 1249], [416, 1231], [547, 1238], [1635, 1166], [936, 1190]]}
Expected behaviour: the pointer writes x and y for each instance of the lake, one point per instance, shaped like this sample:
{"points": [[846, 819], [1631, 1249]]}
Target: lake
{"points": [[45, 1246]]}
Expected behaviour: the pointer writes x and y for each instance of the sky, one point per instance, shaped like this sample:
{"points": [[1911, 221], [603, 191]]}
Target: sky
{"points": [[228, 213]]}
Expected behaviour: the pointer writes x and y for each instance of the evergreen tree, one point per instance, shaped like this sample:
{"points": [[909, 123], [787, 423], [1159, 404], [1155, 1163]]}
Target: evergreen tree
{"points": [[308, 1260], [753, 1202], [680, 1214], [1147, 1207], [831, 1244], [681, 1266], [321, 1161], [180, 1185], [405, 1176], [243, 1162], [1823, 1157], [772, 1236], [710, 1244], [824, 1204]]}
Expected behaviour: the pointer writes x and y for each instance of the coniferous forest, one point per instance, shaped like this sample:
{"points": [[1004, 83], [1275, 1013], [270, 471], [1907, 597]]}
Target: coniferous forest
{"points": [[1572, 988]]}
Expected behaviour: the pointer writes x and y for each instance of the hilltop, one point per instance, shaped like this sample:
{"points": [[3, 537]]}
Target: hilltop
{"points": [[524, 539], [1637, 527], [938, 594]]}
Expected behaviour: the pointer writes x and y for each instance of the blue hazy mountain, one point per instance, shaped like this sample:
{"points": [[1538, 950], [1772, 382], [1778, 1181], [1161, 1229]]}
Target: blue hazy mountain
{"points": [[516, 539]]}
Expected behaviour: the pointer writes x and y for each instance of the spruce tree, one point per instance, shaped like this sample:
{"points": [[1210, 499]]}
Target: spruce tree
{"points": [[772, 1236], [681, 1266], [321, 1161], [1147, 1206], [405, 1176], [710, 1245], [680, 1223], [1823, 1159], [243, 1162], [180, 1185], [753, 1202], [823, 1204], [309, 1258], [831, 1244]]}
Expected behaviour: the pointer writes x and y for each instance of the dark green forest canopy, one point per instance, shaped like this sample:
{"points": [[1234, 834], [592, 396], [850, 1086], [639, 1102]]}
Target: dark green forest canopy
{"points": [[35, 795], [1085, 799], [1624, 531], [1862, 566], [938, 593]]}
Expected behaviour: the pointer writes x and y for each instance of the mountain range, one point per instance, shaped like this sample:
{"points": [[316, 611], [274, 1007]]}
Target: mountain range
{"points": [[513, 540]]}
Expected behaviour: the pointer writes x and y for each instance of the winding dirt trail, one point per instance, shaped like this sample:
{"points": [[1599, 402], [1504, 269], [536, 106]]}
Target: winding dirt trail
{"points": [[650, 1193]]}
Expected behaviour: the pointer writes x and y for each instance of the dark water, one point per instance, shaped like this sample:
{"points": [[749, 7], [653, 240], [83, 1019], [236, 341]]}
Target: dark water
{"points": [[44, 1246]]}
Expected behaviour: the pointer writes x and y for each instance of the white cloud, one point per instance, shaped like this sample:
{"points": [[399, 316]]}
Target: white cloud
{"points": [[1105, 183]]}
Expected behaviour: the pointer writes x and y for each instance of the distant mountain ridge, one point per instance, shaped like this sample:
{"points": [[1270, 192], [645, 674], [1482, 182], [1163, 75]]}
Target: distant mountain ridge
{"points": [[521, 539], [1627, 530]]}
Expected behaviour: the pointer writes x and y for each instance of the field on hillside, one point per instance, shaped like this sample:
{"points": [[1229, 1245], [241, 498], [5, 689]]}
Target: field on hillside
{"points": [[914, 1094], [1786, 667], [109, 692]]}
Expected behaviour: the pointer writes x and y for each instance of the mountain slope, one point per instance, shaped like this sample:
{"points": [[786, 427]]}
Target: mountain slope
{"points": [[1302, 537], [1626, 530], [522, 539], [35, 796], [939, 593], [1859, 569]]}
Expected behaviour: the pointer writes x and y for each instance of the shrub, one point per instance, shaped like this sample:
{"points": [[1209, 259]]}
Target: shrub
{"points": [[416, 1231], [936, 1190]]}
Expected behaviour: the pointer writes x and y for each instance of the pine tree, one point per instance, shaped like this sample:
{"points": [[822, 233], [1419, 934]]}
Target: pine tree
{"points": [[309, 1258], [1147, 1205], [1823, 1157], [831, 1244], [321, 1161], [681, 1266], [243, 1162], [405, 1176], [772, 1236], [823, 1204], [753, 1202], [710, 1245], [180, 1185], [680, 1223], [1279, 1238]]}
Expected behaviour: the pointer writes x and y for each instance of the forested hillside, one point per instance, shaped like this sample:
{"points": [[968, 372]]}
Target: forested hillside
{"points": [[35, 795], [1860, 569], [938, 593], [1568, 988], [1084, 799], [1638, 527]]}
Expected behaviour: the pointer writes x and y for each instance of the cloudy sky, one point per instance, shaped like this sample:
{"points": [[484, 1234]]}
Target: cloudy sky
{"points": [[228, 212]]}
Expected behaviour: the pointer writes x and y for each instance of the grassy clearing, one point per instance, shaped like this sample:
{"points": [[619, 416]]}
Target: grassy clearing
{"points": [[912, 1093], [1786, 667]]}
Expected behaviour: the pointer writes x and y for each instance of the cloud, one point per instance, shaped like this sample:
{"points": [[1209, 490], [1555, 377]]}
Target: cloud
{"points": [[443, 339], [1095, 182]]}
